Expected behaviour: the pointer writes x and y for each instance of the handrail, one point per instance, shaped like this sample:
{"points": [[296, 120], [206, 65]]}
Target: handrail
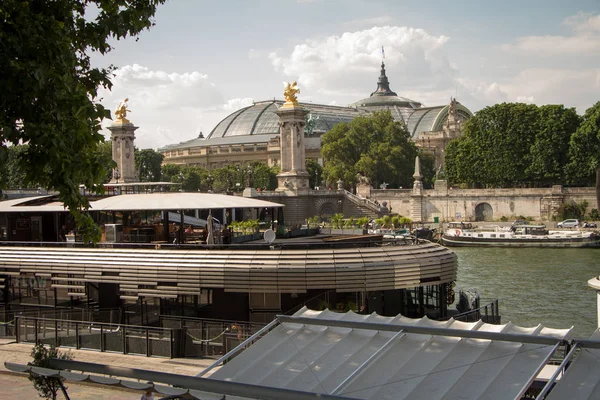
{"points": [[64, 321], [493, 305], [367, 202]]}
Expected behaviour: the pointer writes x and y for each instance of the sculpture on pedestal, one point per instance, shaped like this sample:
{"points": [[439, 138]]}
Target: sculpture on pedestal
{"points": [[290, 92], [121, 112]]}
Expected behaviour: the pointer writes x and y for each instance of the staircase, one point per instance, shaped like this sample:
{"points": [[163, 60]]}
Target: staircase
{"points": [[362, 207]]}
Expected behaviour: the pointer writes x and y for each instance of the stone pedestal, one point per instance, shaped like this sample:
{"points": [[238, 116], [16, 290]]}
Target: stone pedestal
{"points": [[293, 176], [123, 137]]}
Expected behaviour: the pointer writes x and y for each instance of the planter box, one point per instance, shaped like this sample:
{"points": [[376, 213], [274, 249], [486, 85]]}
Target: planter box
{"points": [[343, 231]]}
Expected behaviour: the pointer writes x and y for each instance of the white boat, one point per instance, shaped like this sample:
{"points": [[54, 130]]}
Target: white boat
{"points": [[464, 234]]}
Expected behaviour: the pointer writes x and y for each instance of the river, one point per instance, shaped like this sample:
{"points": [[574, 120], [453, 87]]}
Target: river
{"points": [[534, 286]]}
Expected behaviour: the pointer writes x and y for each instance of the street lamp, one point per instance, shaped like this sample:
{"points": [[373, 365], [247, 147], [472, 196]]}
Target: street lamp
{"points": [[210, 179], [249, 172], [181, 181]]}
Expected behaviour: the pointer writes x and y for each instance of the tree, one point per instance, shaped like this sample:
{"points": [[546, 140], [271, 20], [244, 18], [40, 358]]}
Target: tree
{"points": [[315, 171], [512, 144], [550, 150], [264, 176], [49, 89], [47, 387], [374, 146], [148, 165], [168, 171], [584, 148]]}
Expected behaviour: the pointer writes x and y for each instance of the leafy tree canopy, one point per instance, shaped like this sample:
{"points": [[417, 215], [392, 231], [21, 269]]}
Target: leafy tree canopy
{"points": [[148, 164], [374, 146], [584, 150], [512, 144], [49, 89]]}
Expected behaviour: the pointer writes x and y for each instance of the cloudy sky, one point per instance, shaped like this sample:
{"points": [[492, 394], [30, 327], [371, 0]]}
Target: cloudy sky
{"points": [[205, 59]]}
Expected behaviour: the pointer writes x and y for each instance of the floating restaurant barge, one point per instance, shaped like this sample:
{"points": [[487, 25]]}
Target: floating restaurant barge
{"points": [[243, 282]]}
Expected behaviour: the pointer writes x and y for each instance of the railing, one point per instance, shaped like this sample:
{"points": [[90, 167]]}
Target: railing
{"points": [[488, 313], [8, 317], [126, 339], [371, 205], [209, 337]]}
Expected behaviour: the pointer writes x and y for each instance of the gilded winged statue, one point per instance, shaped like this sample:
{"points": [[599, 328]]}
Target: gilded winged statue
{"points": [[122, 110], [290, 92]]}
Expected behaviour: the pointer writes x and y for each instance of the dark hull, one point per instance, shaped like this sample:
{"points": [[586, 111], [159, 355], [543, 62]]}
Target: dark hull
{"points": [[454, 241]]}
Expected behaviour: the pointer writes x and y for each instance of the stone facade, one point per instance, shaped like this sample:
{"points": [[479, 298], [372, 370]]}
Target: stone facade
{"points": [[122, 135], [449, 204]]}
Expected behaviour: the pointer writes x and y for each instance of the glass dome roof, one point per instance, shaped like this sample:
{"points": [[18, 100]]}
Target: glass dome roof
{"points": [[260, 119]]}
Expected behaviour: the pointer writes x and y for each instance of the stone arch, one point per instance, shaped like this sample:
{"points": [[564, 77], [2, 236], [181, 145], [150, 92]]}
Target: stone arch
{"points": [[326, 210], [484, 212]]}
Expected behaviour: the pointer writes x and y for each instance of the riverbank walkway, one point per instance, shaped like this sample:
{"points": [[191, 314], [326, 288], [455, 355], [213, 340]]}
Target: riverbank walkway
{"points": [[20, 353]]}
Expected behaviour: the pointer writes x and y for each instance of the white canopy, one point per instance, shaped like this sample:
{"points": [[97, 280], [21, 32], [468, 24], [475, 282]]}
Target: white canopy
{"points": [[365, 363], [144, 201]]}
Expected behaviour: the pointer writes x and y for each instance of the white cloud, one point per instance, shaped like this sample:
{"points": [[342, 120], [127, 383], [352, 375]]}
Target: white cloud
{"points": [[338, 65], [237, 103], [167, 107], [585, 39], [526, 99]]}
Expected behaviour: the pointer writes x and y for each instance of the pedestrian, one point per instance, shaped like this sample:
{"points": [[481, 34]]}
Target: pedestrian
{"points": [[149, 395]]}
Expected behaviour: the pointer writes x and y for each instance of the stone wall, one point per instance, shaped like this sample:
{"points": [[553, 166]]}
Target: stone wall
{"points": [[449, 203]]}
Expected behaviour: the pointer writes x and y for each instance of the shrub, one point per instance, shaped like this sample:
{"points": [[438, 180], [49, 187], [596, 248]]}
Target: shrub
{"points": [[47, 387], [504, 218]]}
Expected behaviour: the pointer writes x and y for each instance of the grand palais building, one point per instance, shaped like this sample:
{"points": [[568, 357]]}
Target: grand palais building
{"points": [[252, 133]]}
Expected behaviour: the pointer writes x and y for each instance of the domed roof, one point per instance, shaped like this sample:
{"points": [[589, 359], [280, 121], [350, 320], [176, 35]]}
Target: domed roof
{"points": [[260, 119], [383, 96]]}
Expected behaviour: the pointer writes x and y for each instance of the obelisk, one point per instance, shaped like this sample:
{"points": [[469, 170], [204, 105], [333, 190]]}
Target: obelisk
{"points": [[293, 177], [123, 137]]}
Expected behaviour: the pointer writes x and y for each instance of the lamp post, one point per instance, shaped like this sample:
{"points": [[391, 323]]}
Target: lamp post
{"points": [[181, 181], [210, 181], [249, 173]]}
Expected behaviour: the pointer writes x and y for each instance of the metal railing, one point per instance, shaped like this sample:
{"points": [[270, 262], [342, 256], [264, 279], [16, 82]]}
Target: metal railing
{"points": [[488, 313], [126, 339], [370, 204], [209, 337]]}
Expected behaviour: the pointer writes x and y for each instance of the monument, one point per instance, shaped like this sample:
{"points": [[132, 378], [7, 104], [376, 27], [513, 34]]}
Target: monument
{"points": [[293, 177], [123, 137]]}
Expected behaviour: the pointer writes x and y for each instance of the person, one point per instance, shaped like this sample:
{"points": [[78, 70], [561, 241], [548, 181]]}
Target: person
{"points": [[149, 395]]}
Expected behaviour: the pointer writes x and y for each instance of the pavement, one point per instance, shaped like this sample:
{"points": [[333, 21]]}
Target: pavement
{"points": [[17, 386]]}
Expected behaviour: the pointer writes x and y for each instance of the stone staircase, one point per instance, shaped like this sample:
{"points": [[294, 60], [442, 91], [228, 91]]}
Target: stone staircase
{"points": [[360, 207]]}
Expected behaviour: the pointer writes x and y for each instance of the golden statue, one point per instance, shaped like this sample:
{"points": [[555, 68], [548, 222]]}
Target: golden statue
{"points": [[290, 92], [121, 112]]}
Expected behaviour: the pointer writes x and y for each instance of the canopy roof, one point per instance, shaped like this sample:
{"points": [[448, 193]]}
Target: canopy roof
{"points": [[321, 354], [142, 202], [375, 357]]}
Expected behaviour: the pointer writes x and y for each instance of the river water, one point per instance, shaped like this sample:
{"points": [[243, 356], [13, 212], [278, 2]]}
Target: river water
{"points": [[534, 286]]}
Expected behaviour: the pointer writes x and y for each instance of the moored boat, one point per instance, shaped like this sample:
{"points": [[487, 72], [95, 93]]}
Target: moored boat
{"points": [[464, 234]]}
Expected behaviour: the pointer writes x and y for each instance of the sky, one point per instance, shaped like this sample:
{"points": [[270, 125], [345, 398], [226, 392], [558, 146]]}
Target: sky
{"points": [[205, 59]]}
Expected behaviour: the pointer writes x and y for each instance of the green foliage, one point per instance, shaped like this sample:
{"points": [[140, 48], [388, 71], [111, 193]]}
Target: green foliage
{"points": [[512, 144], [405, 221], [374, 146], [584, 150], [350, 223], [247, 227], [315, 172], [337, 220], [42, 356], [572, 209], [148, 165], [362, 222], [313, 221], [594, 215], [504, 218], [263, 176], [169, 171], [49, 89]]}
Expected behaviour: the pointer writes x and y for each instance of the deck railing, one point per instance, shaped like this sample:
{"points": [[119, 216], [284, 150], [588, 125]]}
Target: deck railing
{"points": [[488, 313], [126, 339]]}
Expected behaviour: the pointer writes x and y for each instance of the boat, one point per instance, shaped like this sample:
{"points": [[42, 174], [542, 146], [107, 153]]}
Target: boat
{"points": [[465, 234]]}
